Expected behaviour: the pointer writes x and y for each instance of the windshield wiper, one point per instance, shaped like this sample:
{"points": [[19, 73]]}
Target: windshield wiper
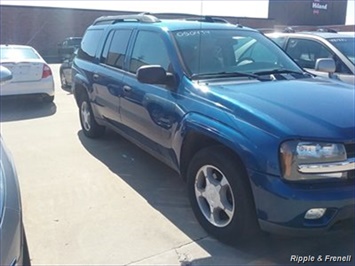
{"points": [[279, 71], [227, 75]]}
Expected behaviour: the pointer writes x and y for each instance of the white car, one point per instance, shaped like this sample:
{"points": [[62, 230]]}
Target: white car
{"points": [[31, 75]]}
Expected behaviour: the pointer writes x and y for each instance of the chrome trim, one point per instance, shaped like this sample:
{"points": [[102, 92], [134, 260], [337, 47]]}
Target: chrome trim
{"points": [[322, 168]]}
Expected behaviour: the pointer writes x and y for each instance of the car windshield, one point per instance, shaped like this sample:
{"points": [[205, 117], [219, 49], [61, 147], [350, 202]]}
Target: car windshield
{"points": [[230, 51], [346, 46], [17, 53]]}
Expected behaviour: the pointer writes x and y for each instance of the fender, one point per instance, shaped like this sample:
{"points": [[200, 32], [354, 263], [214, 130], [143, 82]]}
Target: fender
{"points": [[80, 77], [248, 147], [82, 81]]}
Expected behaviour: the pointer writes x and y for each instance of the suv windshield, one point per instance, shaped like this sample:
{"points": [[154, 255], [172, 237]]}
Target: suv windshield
{"points": [[229, 51], [346, 46]]}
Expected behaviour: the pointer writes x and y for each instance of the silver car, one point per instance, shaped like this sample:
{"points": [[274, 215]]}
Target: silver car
{"points": [[13, 245], [326, 54]]}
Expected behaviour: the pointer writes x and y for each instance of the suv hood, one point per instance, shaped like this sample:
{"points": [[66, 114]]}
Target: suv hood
{"points": [[313, 108]]}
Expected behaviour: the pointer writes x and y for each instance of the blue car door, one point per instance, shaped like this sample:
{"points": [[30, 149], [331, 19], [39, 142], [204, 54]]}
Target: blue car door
{"points": [[109, 75], [148, 111]]}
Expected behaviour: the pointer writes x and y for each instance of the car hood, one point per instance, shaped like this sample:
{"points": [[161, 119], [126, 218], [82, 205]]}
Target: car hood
{"points": [[312, 108]]}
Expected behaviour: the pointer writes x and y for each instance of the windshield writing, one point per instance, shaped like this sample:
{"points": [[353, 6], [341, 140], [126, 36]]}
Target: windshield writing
{"points": [[227, 51]]}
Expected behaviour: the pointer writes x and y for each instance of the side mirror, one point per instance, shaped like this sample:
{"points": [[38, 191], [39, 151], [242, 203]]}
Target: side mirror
{"points": [[152, 74], [5, 74], [325, 65]]}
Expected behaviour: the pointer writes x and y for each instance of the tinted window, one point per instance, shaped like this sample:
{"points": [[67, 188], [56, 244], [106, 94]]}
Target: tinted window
{"points": [[149, 49], [306, 52], [89, 44], [106, 47], [115, 49]]}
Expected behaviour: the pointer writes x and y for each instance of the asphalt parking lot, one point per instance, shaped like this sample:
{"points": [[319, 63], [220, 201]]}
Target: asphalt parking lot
{"points": [[108, 202]]}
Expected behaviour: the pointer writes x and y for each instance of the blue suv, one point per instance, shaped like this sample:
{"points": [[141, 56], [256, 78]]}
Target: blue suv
{"points": [[260, 143]]}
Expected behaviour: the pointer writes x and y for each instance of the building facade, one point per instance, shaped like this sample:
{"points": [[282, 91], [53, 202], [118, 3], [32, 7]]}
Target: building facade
{"points": [[45, 27], [308, 12]]}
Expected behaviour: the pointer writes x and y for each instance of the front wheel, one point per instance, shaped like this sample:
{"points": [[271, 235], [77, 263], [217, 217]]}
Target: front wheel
{"points": [[220, 195], [89, 126]]}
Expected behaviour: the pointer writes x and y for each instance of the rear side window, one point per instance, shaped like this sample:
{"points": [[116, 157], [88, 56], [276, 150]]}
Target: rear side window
{"points": [[114, 52], [89, 44], [149, 49]]}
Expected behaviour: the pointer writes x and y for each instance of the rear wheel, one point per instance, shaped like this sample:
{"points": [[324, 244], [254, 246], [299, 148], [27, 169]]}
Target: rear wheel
{"points": [[63, 80], [220, 195], [89, 126]]}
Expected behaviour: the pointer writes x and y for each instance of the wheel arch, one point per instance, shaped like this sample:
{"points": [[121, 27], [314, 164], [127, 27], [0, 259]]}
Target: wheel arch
{"points": [[79, 88], [208, 132]]}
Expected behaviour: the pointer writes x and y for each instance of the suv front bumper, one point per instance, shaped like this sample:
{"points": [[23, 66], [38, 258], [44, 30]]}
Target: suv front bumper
{"points": [[282, 207]]}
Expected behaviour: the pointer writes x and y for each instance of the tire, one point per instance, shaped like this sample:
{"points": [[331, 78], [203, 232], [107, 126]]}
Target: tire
{"points": [[88, 123], [220, 195], [63, 80]]}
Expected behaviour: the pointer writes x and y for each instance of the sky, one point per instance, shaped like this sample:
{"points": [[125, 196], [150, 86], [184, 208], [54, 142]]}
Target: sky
{"points": [[238, 8]]}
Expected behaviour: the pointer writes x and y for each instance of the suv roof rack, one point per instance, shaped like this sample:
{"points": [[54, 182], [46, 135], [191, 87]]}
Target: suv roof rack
{"points": [[326, 30], [152, 18], [142, 17], [291, 29]]}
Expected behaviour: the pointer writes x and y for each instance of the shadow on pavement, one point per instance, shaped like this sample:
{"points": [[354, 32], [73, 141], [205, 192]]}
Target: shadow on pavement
{"points": [[276, 250], [165, 191], [21, 108]]}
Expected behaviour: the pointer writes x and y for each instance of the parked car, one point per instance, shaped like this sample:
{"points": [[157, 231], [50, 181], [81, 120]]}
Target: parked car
{"points": [[31, 74], [13, 244], [260, 142], [308, 48], [68, 46], [65, 72]]}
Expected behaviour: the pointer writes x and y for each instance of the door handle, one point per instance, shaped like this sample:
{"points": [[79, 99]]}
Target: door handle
{"points": [[127, 88], [95, 77]]}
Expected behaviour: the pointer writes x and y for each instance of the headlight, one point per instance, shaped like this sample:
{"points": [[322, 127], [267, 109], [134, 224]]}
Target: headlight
{"points": [[301, 160]]}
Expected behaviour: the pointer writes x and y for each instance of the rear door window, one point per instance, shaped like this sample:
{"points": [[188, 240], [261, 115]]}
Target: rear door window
{"points": [[114, 52]]}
